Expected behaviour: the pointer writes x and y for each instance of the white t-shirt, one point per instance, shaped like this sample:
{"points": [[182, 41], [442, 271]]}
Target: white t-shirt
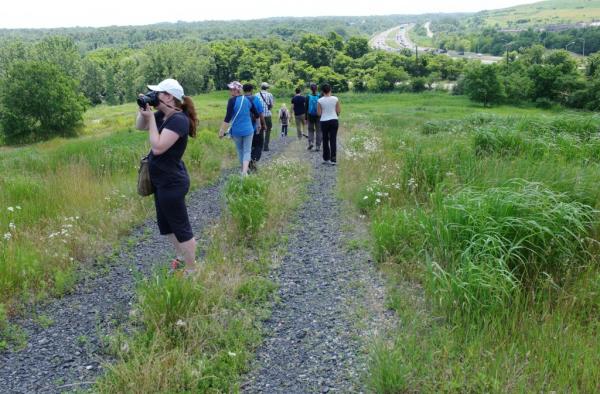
{"points": [[328, 104]]}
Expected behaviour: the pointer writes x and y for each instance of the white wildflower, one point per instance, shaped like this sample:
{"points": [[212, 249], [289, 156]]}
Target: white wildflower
{"points": [[180, 323], [232, 354], [18, 207], [365, 197], [12, 226], [378, 201], [7, 236], [10, 209]]}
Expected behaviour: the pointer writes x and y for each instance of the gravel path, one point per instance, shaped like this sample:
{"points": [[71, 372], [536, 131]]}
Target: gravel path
{"points": [[67, 355], [331, 300]]}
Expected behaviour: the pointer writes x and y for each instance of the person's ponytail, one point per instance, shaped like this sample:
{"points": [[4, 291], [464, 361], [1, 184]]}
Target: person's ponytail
{"points": [[190, 110]]}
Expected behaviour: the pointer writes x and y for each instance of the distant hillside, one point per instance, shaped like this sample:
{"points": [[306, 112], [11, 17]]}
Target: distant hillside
{"points": [[542, 14], [88, 38]]}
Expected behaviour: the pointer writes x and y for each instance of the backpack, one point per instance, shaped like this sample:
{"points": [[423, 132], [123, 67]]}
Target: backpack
{"points": [[283, 115], [312, 103]]}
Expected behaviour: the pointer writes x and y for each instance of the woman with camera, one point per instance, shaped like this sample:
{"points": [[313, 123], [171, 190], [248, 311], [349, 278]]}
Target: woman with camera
{"points": [[169, 127]]}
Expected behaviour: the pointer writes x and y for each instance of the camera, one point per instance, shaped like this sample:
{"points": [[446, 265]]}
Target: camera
{"points": [[149, 98]]}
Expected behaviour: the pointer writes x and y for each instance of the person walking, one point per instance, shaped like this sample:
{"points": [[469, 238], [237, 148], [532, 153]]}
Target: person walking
{"points": [[312, 117], [168, 128], [268, 102], [329, 109], [299, 109], [259, 127], [284, 116], [239, 122]]}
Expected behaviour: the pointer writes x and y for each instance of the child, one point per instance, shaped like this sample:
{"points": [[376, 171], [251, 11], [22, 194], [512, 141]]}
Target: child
{"points": [[284, 115]]}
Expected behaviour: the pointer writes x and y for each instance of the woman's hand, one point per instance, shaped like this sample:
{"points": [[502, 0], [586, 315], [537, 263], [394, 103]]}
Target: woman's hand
{"points": [[146, 113], [221, 133]]}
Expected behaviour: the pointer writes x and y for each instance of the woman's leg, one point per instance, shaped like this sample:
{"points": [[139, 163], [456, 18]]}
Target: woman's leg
{"points": [[239, 147], [246, 152], [326, 150], [333, 139]]}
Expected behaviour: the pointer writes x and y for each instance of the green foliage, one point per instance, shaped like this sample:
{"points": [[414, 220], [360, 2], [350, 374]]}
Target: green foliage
{"points": [[165, 299], [357, 47], [39, 102], [482, 84], [246, 202]]}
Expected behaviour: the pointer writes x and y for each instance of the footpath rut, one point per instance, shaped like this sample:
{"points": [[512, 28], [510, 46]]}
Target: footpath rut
{"points": [[68, 354], [331, 300]]}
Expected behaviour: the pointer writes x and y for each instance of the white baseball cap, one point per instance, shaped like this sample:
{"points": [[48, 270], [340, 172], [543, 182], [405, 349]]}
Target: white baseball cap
{"points": [[170, 86]]}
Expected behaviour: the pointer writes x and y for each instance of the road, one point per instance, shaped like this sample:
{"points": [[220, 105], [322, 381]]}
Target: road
{"points": [[403, 40]]}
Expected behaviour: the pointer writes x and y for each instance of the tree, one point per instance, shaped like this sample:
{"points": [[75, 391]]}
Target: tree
{"points": [[357, 47], [482, 84], [39, 101], [316, 50]]}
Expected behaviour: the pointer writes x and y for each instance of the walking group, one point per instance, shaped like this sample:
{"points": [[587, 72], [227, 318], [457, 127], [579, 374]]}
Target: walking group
{"points": [[248, 121]]}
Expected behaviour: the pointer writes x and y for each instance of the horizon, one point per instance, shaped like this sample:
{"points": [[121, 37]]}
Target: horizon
{"points": [[19, 16]]}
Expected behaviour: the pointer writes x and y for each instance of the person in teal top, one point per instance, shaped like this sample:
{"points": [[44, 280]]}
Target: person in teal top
{"points": [[239, 123]]}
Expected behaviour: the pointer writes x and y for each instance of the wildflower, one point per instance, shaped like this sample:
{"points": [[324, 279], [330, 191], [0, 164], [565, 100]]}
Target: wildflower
{"points": [[7, 236], [232, 354], [378, 201], [10, 209], [18, 207], [365, 197], [180, 323]]}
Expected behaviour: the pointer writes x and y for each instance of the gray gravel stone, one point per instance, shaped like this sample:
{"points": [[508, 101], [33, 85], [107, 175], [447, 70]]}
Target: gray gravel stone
{"points": [[71, 350], [316, 343]]}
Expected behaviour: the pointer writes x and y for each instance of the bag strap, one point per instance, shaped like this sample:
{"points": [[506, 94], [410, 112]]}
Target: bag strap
{"points": [[238, 112], [264, 99]]}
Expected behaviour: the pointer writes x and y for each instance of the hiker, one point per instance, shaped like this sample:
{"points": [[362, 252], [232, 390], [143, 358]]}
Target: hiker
{"points": [[299, 109], [259, 127], [169, 127], [329, 109], [268, 102], [239, 123], [312, 117], [284, 116]]}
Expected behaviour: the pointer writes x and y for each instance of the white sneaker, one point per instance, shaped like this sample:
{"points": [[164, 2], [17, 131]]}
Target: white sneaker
{"points": [[326, 162], [332, 163]]}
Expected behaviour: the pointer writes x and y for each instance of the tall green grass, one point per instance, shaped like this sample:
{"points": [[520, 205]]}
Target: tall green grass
{"points": [[65, 200], [492, 217]]}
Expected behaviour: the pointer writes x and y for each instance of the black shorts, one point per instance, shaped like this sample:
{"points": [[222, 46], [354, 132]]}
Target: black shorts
{"points": [[171, 212]]}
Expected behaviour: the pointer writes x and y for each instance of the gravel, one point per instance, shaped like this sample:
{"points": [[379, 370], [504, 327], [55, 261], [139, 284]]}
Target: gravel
{"points": [[69, 353], [330, 302]]}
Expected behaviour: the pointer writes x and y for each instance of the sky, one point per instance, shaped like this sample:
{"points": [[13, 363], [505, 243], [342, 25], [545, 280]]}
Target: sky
{"points": [[69, 13]]}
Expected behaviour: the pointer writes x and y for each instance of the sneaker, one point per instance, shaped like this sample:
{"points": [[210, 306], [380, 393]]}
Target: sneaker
{"points": [[310, 147], [177, 264], [252, 166], [265, 149], [332, 163], [326, 162]]}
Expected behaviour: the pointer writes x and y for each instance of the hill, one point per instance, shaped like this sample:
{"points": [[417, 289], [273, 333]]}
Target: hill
{"points": [[552, 13]]}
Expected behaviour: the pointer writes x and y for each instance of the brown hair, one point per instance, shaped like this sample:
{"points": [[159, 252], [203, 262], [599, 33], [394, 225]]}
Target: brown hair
{"points": [[189, 109]]}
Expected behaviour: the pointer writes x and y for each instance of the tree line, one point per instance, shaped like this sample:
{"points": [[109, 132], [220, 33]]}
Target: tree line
{"points": [[116, 75]]}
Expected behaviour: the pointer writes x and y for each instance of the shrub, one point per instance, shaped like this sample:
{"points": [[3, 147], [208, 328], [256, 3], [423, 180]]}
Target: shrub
{"points": [[246, 201], [39, 102]]}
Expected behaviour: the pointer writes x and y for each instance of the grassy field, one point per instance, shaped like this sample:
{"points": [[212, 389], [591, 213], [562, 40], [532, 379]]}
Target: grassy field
{"points": [[543, 13], [64, 201], [485, 221]]}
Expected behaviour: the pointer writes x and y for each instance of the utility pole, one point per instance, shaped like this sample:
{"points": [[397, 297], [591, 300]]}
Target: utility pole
{"points": [[417, 59]]}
